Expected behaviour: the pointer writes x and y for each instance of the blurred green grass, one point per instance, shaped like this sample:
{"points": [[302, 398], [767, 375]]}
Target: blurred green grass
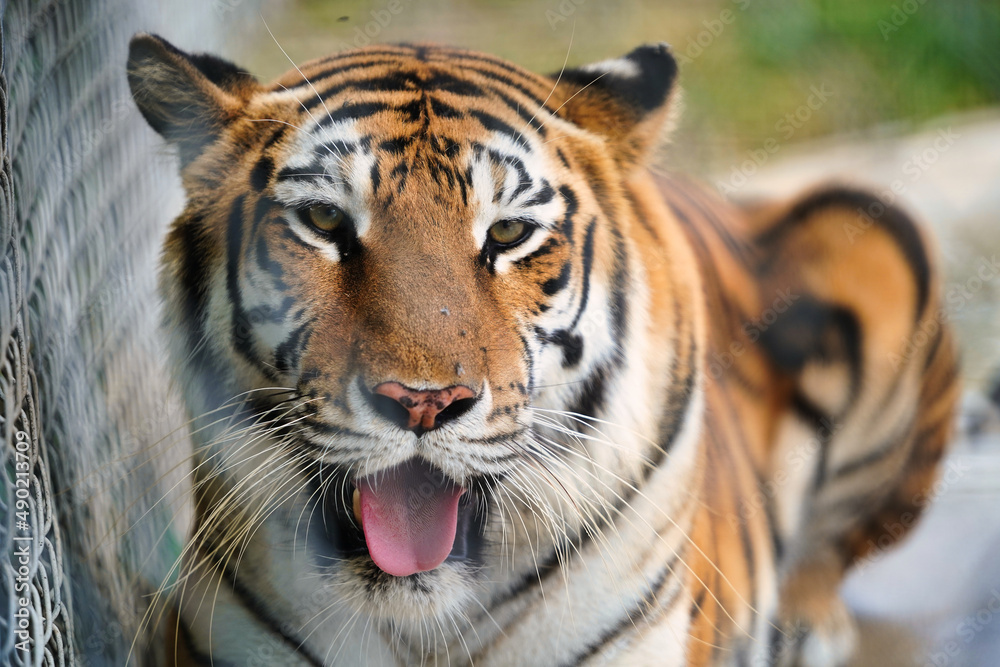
{"points": [[746, 64]]}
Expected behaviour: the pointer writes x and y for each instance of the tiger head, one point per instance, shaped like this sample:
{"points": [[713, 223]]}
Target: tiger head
{"points": [[409, 285]]}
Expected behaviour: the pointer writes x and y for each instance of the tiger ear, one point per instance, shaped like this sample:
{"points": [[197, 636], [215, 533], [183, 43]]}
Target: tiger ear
{"points": [[187, 98], [627, 100]]}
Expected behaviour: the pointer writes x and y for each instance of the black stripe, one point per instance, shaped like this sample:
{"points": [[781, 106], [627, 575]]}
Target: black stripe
{"points": [[449, 83], [587, 264], [494, 124], [398, 50], [397, 145], [555, 285], [944, 384], [524, 180], [544, 195], [463, 187], [562, 158], [529, 360], [341, 148], [619, 290], [450, 57], [590, 401], [287, 356], [572, 206], [718, 295], [892, 220], [808, 411], [453, 55], [547, 248], [636, 614], [849, 328], [933, 350], [538, 575], [817, 420], [241, 322], [876, 454], [506, 82], [687, 191], [749, 556], [403, 81], [288, 235], [777, 541], [361, 84], [572, 343], [522, 110], [698, 601], [261, 173], [676, 409], [310, 172], [414, 110], [813, 330], [785, 643], [327, 429], [457, 86], [260, 210], [798, 335], [194, 652], [354, 110], [275, 137], [278, 314], [268, 265], [676, 404], [193, 275], [340, 68], [445, 110], [376, 178], [637, 214], [259, 611], [401, 172]]}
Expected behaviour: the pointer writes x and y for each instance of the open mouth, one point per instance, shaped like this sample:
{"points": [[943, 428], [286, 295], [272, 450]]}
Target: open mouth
{"points": [[407, 519]]}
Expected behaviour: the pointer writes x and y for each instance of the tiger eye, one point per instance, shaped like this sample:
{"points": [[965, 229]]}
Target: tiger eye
{"points": [[325, 218], [507, 232]]}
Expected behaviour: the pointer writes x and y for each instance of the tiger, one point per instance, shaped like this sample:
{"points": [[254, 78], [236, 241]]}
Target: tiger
{"points": [[473, 382]]}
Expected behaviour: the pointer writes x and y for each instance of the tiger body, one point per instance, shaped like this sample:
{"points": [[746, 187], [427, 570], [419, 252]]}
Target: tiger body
{"points": [[659, 427]]}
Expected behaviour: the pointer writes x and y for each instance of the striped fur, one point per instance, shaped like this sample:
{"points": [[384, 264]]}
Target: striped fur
{"points": [[689, 419]]}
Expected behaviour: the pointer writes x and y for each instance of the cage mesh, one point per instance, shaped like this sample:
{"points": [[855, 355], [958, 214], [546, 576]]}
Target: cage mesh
{"points": [[32, 570], [85, 409]]}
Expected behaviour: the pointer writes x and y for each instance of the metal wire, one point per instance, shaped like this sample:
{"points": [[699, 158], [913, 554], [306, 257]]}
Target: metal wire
{"points": [[89, 506]]}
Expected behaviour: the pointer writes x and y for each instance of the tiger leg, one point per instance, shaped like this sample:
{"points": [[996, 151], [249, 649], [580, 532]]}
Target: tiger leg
{"points": [[873, 375]]}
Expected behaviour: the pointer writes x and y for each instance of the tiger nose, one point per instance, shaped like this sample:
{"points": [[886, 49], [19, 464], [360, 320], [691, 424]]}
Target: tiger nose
{"points": [[421, 411]]}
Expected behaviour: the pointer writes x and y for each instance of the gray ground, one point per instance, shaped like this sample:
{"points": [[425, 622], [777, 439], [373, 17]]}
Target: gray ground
{"points": [[935, 601]]}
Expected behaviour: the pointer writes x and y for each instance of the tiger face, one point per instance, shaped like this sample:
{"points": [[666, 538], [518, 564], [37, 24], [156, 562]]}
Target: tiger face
{"points": [[444, 342], [404, 278]]}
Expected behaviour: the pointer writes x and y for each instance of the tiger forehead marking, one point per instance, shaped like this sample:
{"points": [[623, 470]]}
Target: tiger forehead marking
{"points": [[415, 124], [460, 367]]}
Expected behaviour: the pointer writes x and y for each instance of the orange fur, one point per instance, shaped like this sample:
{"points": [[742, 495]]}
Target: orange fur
{"points": [[821, 427]]}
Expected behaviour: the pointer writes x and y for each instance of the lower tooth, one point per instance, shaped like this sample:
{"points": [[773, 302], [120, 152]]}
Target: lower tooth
{"points": [[356, 506]]}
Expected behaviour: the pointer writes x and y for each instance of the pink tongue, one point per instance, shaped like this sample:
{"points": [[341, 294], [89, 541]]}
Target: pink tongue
{"points": [[409, 514]]}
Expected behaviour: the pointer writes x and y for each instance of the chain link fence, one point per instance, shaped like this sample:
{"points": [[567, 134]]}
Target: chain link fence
{"points": [[92, 496], [35, 620]]}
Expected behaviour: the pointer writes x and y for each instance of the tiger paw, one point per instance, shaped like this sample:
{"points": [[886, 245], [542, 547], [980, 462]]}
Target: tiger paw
{"points": [[830, 641], [820, 628]]}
